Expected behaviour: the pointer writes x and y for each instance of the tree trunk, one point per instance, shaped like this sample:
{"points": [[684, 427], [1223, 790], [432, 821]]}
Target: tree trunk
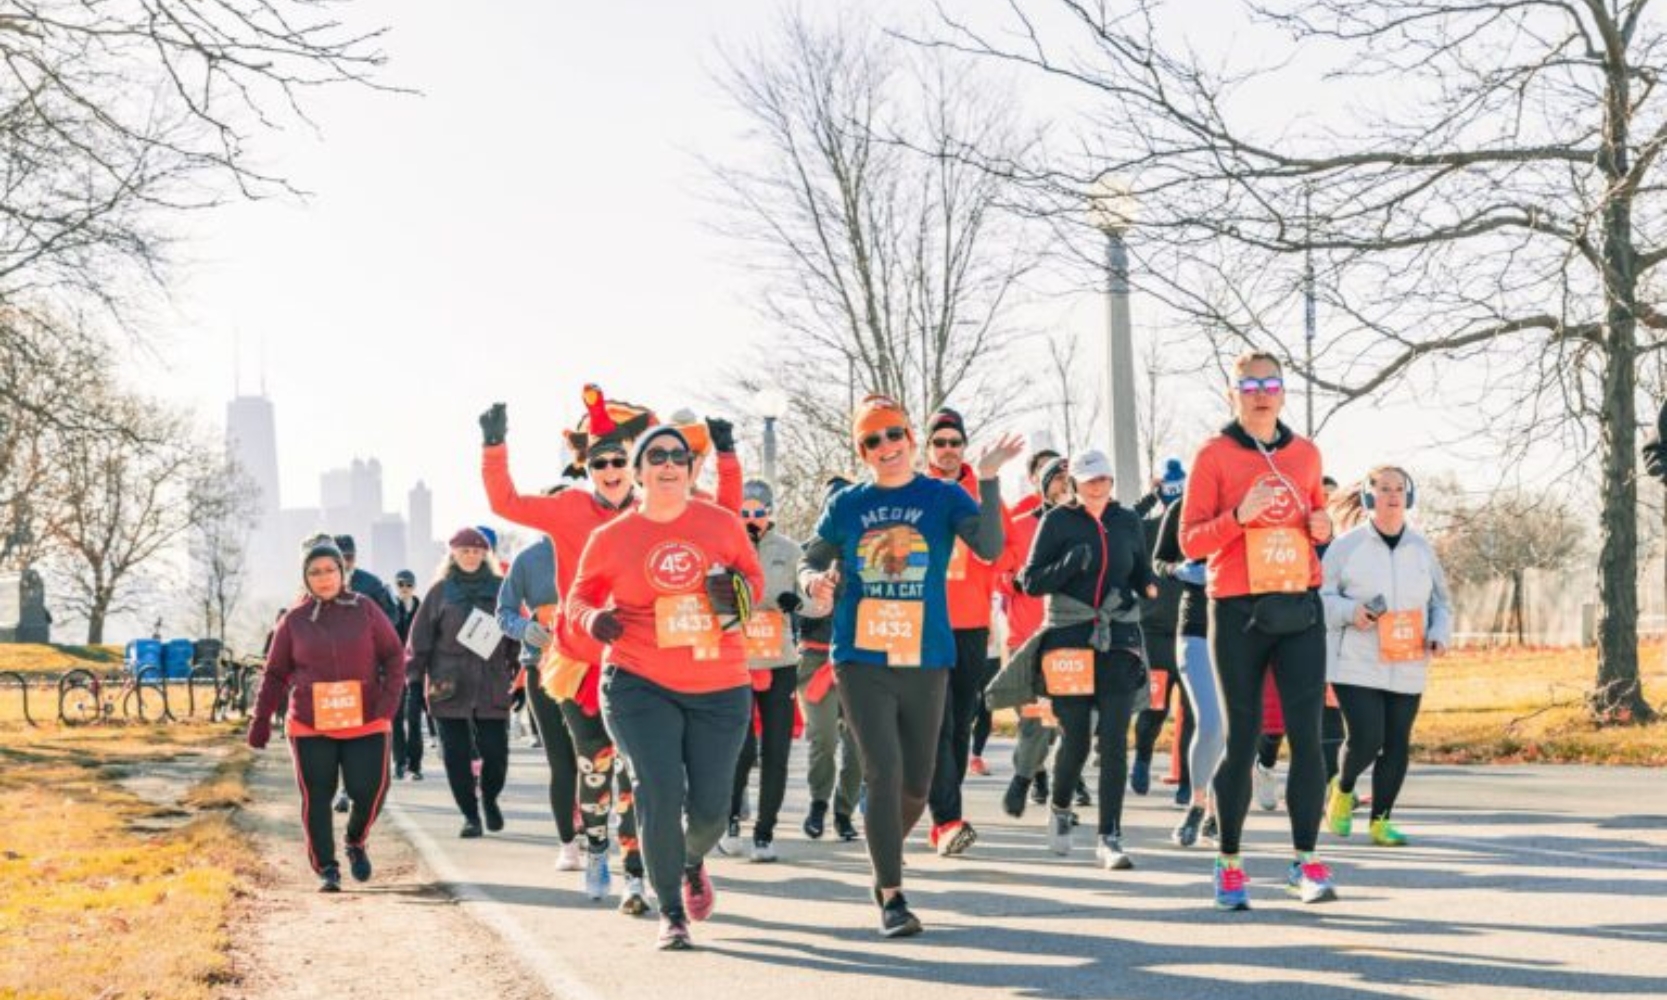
{"points": [[95, 621], [1516, 608]]}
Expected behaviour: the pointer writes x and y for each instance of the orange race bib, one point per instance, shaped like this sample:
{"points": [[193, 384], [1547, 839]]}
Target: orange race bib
{"points": [[894, 628], [687, 621], [1277, 559], [1157, 686], [1068, 672], [1042, 711], [337, 705], [958, 556], [762, 634], [1401, 636]]}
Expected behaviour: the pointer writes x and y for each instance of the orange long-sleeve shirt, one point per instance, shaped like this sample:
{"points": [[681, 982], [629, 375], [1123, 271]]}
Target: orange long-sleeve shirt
{"points": [[653, 575], [1223, 471], [1024, 613], [970, 581]]}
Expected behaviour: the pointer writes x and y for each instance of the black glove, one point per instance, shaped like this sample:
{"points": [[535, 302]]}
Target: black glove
{"points": [[494, 424], [788, 601], [1079, 558], [606, 626], [755, 529], [518, 699], [723, 435], [729, 595], [1654, 462]]}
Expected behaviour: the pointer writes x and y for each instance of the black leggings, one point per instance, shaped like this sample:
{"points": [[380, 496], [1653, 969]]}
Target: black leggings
{"points": [[983, 724], [1380, 737], [408, 729], [459, 739], [1149, 721], [775, 711], [558, 752], [1114, 700], [1331, 740], [362, 765], [895, 715], [963, 696], [1241, 659]]}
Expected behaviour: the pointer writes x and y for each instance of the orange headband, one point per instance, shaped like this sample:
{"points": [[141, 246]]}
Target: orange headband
{"points": [[876, 413]]}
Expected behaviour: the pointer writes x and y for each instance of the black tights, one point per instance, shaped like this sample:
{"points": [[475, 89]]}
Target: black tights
{"points": [[895, 716], [459, 738], [361, 764], [1241, 659], [1380, 737], [558, 753], [775, 712], [1114, 700]]}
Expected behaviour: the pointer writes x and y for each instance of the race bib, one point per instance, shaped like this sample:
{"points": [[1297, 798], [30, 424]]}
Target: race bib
{"points": [[480, 634], [1277, 559], [1068, 672], [1401, 636], [1158, 688], [763, 635], [958, 562], [894, 628], [337, 705], [1042, 711], [687, 621]]}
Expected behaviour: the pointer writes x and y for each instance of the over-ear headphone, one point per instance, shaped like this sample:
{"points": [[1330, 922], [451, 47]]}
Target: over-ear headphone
{"points": [[1369, 499]]}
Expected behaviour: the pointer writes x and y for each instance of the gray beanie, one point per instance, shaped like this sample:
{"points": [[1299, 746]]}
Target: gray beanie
{"points": [[758, 490]]}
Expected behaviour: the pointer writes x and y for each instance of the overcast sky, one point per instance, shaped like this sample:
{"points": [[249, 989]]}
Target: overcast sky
{"points": [[535, 219]]}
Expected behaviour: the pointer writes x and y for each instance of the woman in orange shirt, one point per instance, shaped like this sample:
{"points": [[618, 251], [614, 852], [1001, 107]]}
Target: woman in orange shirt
{"points": [[667, 587], [1255, 509]]}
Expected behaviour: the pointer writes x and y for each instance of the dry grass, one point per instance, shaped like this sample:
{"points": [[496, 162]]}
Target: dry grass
{"points": [[91, 904], [33, 658], [1527, 705]]}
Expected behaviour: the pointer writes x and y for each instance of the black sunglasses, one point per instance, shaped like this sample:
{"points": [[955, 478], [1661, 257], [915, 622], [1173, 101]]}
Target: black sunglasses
{"points": [[892, 434], [676, 456], [949, 442], [616, 462]]}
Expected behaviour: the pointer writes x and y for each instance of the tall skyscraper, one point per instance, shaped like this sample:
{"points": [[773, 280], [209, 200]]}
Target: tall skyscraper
{"points": [[420, 546], [252, 438]]}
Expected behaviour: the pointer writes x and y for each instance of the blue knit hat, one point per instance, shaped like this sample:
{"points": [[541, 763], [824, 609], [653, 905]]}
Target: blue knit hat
{"points": [[1174, 481]]}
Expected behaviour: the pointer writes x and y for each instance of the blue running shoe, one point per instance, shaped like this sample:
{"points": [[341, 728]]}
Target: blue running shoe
{"points": [[1232, 885]]}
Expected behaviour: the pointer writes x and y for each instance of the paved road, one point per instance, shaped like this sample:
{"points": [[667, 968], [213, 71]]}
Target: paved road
{"points": [[1521, 882]]}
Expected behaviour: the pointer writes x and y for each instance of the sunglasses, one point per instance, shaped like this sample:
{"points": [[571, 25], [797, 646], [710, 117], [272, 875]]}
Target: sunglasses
{"points": [[949, 443], [755, 515], [403, 585], [676, 456], [892, 434], [1273, 385], [617, 462]]}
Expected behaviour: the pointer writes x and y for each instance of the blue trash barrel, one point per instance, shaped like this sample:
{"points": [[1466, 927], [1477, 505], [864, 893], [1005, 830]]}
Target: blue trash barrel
{"points": [[176, 658], [143, 653]]}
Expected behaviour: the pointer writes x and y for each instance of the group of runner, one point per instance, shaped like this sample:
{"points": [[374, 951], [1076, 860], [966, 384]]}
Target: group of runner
{"points": [[673, 639]]}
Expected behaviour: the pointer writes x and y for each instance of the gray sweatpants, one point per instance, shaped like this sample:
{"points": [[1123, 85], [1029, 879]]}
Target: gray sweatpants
{"points": [[895, 714], [1030, 752], [682, 750], [832, 748]]}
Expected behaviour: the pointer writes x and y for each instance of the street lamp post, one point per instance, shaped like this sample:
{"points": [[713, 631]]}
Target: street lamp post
{"points": [[771, 404], [1111, 209]]}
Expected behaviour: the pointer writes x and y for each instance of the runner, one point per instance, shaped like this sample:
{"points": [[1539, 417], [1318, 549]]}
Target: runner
{"points": [[773, 662], [466, 666], [571, 668], [893, 647], [1159, 620], [1037, 728], [408, 724], [971, 586], [705, 437], [669, 587], [1254, 508], [1089, 561], [1205, 746], [527, 609], [833, 748], [344, 671], [1388, 611]]}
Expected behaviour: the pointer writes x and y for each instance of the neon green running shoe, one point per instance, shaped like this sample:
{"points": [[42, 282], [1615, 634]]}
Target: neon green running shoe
{"points": [[1384, 834], [1339, 810]]}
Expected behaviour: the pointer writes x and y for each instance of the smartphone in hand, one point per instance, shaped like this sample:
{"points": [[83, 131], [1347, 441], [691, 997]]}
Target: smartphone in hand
{"points": [[1376, 606]]}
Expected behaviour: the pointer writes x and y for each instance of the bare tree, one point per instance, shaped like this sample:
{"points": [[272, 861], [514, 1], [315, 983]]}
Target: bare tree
{"points": [[1503, 537], [223, 505], [120, 501], [1491, 206], [1072, 394], [888, 263]]}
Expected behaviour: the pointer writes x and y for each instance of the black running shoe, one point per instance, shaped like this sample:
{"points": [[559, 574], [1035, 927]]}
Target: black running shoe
{"points": [[1039, 789], [896, 919], [1211, 830], [358, 863], [816, 822], [471, 829], [846, 829], [330, 879], [1013, 803], [1082, 798], [494, 815], [1186, 834]]}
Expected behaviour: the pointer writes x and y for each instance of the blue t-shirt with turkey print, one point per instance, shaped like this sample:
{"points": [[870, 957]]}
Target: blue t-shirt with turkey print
{"points": [[894, 547]]}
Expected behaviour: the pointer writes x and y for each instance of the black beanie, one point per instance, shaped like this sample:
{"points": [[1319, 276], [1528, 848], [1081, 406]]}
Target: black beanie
{"points": [[946, 417]]}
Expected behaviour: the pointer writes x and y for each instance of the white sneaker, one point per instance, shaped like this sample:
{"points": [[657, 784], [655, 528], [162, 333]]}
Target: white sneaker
{"points": [[1109, 852], [763, 851], [568, 859], [730, 844], [1059, 832], [1266, 782]]}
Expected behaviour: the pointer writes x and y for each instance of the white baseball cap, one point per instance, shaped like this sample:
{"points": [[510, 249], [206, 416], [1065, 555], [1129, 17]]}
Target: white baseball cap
{"points": [[1091, 464]]}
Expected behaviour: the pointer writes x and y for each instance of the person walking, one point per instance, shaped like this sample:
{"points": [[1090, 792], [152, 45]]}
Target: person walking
{"points": [[1388, 614], [466, 665], [341, 664], [408, 723], [834, 771]]}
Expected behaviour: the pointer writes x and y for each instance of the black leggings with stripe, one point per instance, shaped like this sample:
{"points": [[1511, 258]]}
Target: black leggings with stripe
{"points": [[361, 765]]}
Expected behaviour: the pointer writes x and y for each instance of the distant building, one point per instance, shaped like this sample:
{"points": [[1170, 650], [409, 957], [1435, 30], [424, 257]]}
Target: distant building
{"points": [[387, 545]]}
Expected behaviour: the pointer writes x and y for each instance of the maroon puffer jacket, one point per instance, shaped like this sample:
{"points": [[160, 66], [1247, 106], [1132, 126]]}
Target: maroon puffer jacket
{"points": [[348, 639]]}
